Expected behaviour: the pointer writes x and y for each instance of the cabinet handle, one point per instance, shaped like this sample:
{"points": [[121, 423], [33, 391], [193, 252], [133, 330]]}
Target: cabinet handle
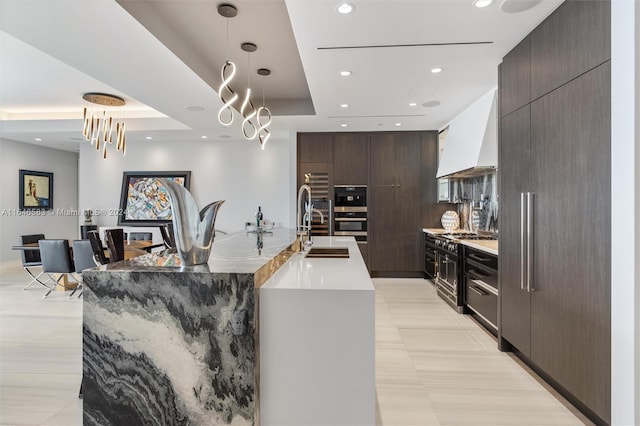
{"points": [[485, 287], [523, 220], [477, 290], [330, 219], [479, 258], [529, 239]]}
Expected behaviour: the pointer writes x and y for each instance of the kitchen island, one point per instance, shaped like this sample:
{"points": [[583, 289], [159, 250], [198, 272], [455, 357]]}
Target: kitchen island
{"points": [[181, 345]]}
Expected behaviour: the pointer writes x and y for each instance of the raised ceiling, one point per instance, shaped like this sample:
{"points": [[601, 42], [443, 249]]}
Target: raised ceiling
{"points": [[164, 56]]}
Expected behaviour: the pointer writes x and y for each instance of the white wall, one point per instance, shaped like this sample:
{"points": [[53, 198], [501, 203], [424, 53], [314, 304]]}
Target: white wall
{"points": [[237, 171], [625, 212], [54, 224]]}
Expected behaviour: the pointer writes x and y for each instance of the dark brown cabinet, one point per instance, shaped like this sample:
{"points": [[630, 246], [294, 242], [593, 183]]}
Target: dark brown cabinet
{"points": [[515, 78], [395, 210], [350, 158], [573, 40], [315, 148], [399, 170], [514, 155], [570, 182], [554, 156]]}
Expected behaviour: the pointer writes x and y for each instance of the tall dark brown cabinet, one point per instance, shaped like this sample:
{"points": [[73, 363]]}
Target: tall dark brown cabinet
{"points": [[395, 203], [554, 203], [399, 169]]}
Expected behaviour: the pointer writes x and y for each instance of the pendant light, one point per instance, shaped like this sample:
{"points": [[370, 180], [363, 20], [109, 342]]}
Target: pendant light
{"points": [[227, 73], [247, 110], [263, 133], [98, 124]]}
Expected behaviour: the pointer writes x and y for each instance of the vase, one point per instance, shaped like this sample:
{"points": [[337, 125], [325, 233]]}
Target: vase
{"points": [[194, 230]]}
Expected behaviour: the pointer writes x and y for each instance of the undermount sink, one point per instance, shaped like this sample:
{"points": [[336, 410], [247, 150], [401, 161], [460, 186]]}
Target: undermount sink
{"points": [[328, 252]]}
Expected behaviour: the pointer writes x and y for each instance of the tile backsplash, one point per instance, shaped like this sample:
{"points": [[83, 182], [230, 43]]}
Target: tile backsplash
{"points": [[478, 206]]}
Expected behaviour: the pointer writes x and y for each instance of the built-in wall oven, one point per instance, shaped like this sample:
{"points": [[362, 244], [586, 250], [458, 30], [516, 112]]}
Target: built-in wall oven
{"points": [[350, 211]]}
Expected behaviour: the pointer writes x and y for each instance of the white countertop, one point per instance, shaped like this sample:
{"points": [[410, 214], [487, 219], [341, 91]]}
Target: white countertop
{"points": [[300, 272], [488, 246]]}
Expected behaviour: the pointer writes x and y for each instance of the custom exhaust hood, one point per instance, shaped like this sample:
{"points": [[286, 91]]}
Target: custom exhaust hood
{"points": [[471, 145]]}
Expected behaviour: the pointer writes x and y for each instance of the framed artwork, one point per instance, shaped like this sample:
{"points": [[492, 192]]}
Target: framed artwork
{"points": [[144, 201], [36, 190]]}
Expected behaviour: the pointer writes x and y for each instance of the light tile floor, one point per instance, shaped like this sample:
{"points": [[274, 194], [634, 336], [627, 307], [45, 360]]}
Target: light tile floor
{"points": [[433, 366]]}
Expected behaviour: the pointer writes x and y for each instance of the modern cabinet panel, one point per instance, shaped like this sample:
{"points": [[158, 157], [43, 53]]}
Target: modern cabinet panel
{"points": [[514, 154], [515, 78], [350, 158], [315, 148], [382, 229], [570, 182], [394, 206], [383, 163], [573, 40]]}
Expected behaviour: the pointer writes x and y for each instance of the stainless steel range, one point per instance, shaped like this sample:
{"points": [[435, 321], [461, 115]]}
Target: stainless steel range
{"points": [[448, 276]]}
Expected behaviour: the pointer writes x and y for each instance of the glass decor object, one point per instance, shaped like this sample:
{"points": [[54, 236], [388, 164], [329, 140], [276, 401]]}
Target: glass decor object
{"points": [[194, 230]]}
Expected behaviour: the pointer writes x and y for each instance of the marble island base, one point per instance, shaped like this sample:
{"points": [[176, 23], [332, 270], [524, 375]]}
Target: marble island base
{"points": [[174, 346]]}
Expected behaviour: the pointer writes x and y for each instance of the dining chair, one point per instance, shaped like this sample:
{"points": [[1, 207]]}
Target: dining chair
{"points": [[167, 235], [56, 259], [82, 259], [31, 259], [115, 244], [97, 247]]}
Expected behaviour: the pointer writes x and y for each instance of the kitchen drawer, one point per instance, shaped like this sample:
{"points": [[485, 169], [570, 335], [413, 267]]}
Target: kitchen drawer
{"points": [[481, 258], [482, 301]]}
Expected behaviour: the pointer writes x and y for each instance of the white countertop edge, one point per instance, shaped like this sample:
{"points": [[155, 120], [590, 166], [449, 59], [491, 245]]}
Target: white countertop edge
{"points": [[478, 246], [301, 273]]}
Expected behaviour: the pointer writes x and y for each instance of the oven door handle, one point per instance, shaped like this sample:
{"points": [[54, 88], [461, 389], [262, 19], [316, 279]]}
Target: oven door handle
{"points": [[350, 219]]}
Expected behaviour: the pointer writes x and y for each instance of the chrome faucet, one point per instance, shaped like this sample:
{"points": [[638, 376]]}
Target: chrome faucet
{"points": [[303, 224]]}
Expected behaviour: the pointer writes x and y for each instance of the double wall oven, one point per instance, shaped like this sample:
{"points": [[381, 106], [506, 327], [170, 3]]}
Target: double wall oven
{"points": [[350, 211]]}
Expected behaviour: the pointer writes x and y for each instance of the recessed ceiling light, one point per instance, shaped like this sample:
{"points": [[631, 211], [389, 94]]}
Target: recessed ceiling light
{"points": [[194, 108], [482, 3], [345, 73], [431, 104], [38, 139], [412, 104], [343, 125], [344, 105], [517, 6], [203, 137], [344, 8], [436, 70], [398, 124], [148, 138]]}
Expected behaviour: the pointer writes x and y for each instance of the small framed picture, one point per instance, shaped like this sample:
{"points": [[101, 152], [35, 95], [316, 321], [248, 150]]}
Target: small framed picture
{"points": [[144, 201], [36, 190]]}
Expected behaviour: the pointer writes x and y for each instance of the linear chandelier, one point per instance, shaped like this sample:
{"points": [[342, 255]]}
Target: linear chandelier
{"points": [[99, 126], [254, 122]]}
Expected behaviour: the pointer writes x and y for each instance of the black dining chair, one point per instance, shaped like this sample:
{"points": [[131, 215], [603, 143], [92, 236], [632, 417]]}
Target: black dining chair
{"points": [[82, 259], [167, 235], [31, 259], [97, 247], [56, 259], [115, 244]]}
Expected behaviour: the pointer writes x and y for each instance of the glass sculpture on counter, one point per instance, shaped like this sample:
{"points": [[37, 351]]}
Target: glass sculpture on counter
{"points": [[194, 230]]}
